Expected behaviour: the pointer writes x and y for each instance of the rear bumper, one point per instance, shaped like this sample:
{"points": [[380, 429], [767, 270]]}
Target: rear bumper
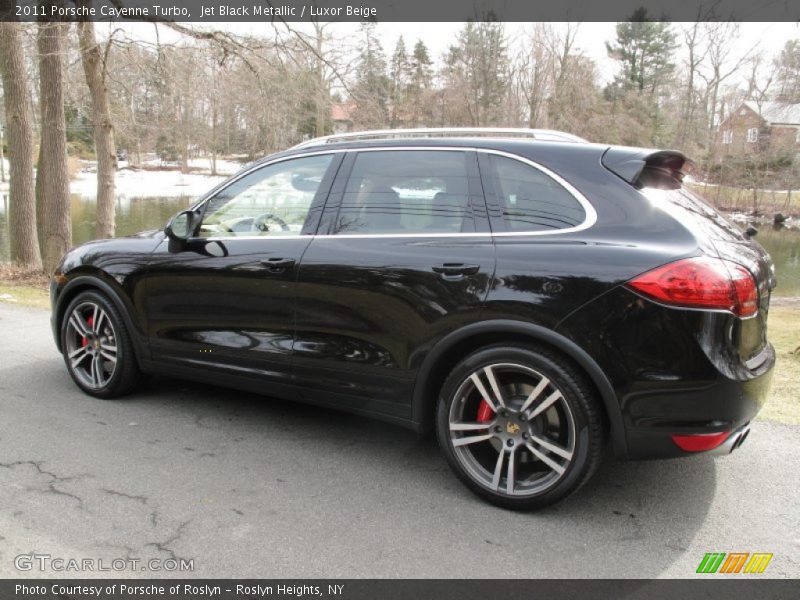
{"points": [[724, 406], [674, 372]]}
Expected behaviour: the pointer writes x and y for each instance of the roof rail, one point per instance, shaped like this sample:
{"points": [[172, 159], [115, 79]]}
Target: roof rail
{"points": [[547, 135]]}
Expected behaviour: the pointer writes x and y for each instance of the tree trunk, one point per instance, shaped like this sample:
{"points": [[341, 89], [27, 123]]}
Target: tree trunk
{"points": [[22, 235], [57, 224], [2, 158], [103, 129]]}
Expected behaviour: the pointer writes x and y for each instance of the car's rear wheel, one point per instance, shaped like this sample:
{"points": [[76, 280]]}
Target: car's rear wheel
{"points": [[519, 425], [97, 347]]}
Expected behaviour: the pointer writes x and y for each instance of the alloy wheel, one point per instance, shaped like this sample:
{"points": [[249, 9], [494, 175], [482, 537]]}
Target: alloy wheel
{"points": [[91, 346], [512, 430]]}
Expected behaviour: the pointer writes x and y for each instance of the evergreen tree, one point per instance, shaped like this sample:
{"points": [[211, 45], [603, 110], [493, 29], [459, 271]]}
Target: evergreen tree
{"points": [[477, 68], [787, 68], [645, 49], [399, 76], [371, 89], [419, 85]]}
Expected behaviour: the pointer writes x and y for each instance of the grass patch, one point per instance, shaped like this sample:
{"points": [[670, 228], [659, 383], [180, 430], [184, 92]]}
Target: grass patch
{"points": [[784, 333], [25, 295], [24, 287]]}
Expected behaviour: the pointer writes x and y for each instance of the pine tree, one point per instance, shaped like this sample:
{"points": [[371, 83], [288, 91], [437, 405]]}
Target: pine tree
{"points": [[645, 50], [399, 76], [787, 68], [478, 66], [420, 80], [371, 89]]}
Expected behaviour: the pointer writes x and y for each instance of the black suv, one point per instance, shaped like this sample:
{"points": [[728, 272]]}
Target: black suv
{"points": [[524, 293]]}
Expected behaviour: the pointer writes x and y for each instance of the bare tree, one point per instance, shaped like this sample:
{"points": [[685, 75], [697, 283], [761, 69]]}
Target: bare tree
{"points": [[719, 66], [22, 207], [53, 173], [94, 67], [696, 52], [533, 69]]}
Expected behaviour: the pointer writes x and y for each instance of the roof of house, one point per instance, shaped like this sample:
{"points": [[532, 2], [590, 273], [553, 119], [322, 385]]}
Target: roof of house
{"points": [[342, 112], [777, 112]]}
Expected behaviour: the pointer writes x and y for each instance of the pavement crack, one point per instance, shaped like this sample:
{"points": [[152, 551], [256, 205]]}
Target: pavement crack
{"points": [[54, 479], [52, 489], [38, 466], [165, 545], [142, 499]]}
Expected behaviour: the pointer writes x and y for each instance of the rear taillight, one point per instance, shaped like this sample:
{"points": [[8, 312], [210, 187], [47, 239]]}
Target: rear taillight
{"points": [[701, 282]]}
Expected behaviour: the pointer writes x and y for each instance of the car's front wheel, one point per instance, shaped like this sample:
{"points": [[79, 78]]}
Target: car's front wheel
{"points": [[97, 347], [519, 425]]}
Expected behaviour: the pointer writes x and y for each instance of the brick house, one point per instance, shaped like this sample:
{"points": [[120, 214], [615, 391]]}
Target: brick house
{"points": [[342, 117], [772, 128]]}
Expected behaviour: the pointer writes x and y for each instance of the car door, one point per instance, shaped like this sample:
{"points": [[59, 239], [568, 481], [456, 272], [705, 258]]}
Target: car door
{"points": [[403, 256], [224, 301]]}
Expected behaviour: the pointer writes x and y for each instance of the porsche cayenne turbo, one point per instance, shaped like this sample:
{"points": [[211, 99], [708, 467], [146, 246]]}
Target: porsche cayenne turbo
{"points": [[529, 296]]}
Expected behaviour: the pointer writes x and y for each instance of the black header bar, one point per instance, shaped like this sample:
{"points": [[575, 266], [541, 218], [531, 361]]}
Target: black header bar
{"points": [[210, 11]]}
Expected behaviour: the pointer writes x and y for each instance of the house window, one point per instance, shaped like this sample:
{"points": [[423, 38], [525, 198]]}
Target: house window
{"points": [[752, 134], [727, 136], [797, 136]]}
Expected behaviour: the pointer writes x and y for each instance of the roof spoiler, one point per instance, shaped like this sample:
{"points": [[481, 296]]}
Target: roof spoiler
{"points": [[641, 167]]}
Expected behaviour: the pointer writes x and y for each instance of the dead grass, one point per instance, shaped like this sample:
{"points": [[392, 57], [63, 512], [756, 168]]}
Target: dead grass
{"points": [[735, 199], [12, 275], [784, 333]]}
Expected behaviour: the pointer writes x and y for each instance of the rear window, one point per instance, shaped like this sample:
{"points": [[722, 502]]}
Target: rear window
{"points": [[685, 206], [532, 200]]}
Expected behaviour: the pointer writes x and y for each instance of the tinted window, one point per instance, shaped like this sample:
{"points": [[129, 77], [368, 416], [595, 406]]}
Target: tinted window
{"points": [[406, 191], [272, 201], [531, 200]]}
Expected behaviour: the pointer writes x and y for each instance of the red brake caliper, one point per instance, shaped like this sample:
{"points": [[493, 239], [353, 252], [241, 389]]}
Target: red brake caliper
{"points": [[485, 412], [90, 323]]}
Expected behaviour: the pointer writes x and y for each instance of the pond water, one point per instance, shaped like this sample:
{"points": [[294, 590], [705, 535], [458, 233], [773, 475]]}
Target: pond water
{"points": [[139, 214]]}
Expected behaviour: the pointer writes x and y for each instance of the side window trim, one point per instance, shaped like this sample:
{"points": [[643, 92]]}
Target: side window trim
{"points": [[498, 224], [317, 203], [475, 193]]}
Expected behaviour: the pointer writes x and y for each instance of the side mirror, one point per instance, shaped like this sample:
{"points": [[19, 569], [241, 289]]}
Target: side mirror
{"points": [[181, 227]]}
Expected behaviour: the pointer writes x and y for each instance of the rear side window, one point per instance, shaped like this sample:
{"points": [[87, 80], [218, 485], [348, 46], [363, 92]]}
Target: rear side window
{"points": [[406, 192], [530, 199]]}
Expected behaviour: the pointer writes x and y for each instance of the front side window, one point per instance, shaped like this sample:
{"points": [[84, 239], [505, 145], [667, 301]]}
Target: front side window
{"points": [[406, 192], [530, 199], [727, 136], [752, 134], [271, 201]]}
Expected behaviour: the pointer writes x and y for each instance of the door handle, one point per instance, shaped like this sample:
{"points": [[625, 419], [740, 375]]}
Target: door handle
{"points": [[276, 265], [455, 269]]}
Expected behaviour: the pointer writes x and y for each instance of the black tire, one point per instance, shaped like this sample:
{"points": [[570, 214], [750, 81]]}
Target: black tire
{"points": [[572, 425], [115, 381]]}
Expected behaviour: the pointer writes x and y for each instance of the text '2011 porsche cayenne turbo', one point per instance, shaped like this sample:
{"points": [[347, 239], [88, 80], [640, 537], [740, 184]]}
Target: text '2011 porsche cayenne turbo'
{"points": [[529, 296]]}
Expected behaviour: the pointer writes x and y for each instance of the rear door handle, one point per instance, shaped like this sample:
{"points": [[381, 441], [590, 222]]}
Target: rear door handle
{"points": [[276, 265], [455, 269]]}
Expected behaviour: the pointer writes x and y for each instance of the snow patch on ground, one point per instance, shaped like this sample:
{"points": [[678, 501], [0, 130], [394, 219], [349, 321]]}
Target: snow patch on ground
{"points": [[133, 183], [139, 184]]}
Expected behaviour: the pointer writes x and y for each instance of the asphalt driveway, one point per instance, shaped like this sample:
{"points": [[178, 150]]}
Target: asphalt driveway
{"points": [[247, 486]]}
